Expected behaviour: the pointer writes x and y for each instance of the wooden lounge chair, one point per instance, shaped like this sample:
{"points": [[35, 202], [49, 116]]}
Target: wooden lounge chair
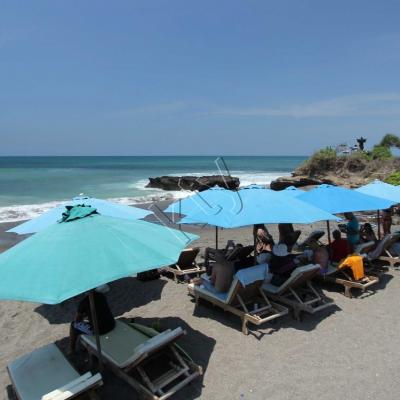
{"points": [[298, 292], [136, 355], [186, 264], [384, 251], [45, 374], [363, 249], [244, 298], [239, 253], [344, 277]]}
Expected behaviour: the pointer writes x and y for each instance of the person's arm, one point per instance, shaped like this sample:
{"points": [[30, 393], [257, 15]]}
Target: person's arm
{"points": [[83, 309], [213, 277]]}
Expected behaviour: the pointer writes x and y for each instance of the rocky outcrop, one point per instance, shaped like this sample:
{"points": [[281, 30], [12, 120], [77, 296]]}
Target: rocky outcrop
{"points": [[193, 182], [296, 181], [350, 171]]}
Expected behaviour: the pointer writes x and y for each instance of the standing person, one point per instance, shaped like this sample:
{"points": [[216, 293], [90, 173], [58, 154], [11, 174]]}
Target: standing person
{"points": [[83, 323], [286, 231], [386, 221], [352, 230], [288, 235]]}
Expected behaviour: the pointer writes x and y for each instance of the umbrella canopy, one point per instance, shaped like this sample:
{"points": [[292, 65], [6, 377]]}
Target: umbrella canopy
{"points": [[215, 197], [381, 189], [260, 206], [335, 199], [103, 207], [84, 251]]}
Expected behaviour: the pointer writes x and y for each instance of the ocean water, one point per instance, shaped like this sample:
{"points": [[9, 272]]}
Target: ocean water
{"points": [[32, 185]]}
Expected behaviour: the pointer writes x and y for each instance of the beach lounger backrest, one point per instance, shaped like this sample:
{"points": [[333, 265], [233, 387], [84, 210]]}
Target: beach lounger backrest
{"points": [[47, 374], [246, 283], [187, 257], [239, 253], [384, 244], [299, 277], [125, 346], [313, 236], [363, 248]]}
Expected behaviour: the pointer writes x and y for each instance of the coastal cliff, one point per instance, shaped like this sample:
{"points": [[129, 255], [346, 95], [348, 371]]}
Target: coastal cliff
{"points": [[350, 170]]}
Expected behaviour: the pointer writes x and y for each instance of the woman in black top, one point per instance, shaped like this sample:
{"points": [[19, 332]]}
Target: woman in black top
{"points": [[83, 322]]}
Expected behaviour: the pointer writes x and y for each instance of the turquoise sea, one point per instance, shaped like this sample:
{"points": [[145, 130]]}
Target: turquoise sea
{"points": [[31, 185]]}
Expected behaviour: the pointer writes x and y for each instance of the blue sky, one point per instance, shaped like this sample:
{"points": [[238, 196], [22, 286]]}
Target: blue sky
{"points": [[196, 77]]}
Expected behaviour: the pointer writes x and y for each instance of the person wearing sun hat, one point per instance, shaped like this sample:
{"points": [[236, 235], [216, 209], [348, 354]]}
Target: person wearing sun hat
{"points": [[281, 265]]}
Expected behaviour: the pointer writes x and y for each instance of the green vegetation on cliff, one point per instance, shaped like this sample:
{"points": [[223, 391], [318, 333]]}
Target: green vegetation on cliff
{"points": [[394, 178], [356, 168]]}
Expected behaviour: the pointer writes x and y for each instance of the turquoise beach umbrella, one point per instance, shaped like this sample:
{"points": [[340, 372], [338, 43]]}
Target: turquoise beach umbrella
{"points": [[85, 251], [103, 207], [381, 189], [260, 206], [335, 199]]}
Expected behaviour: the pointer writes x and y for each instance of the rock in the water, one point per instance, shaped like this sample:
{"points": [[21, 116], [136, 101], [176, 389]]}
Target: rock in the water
{"points": [[193, 182], [296, 181]]}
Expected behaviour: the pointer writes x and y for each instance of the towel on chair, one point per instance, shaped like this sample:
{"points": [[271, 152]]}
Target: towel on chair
{"points": [[355, 263]]}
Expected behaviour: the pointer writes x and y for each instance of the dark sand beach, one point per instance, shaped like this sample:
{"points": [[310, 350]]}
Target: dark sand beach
{"points": [[347, 351]]}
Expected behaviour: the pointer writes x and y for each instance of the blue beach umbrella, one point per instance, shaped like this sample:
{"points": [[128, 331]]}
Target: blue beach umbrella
{"points": [[215, 197], [82, 252], [103, 207], [291, 191], [266, 207], [336, 199], [382, 190]]}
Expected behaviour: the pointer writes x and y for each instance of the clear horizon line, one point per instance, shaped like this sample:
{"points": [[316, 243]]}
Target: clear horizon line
{"points": [[158, 155]]}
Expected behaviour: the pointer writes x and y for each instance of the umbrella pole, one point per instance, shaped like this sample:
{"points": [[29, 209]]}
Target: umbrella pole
{"points": [[379, 224], [180, 213], [255, 247], [216, 237], [96, 328], [329, 231]]}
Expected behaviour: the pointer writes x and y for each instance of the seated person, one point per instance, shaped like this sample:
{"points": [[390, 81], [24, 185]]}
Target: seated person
{"points": [[321, 257], [281, 265], [352, 230], [386, 221], [288, 235], [222, 273], [264, 240], [83, 322], [367, 234], [209, 252], [339, 248]]}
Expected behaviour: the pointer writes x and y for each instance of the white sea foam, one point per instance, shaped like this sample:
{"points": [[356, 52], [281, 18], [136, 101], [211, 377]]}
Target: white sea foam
{"points": [[29, 211], [146, 195], [25, 211]]}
